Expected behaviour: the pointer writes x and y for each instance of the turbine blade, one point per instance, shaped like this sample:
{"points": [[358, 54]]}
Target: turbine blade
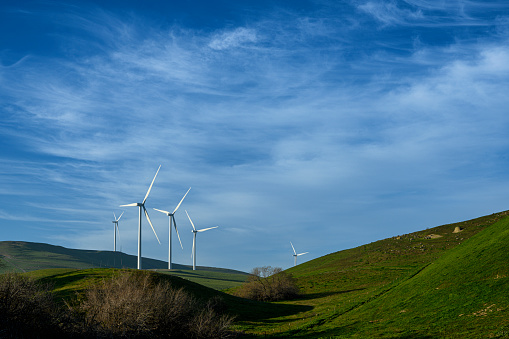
{"points": [[206, 229], [148, 192], [162, 211], [176, 208], [120, 216], [130, 205], [150, 222], [302, 253], [175, 225], [293, 248], [190, 220], [114, 216]]}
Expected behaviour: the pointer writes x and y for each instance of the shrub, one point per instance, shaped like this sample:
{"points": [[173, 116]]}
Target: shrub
{"points": [[268, 284], [134, 305], [27, 309]]}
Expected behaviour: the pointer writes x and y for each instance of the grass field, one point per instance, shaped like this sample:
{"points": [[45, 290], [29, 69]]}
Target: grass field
{"points": [[16, 256], [429, 284], [216, 280], [412, 286]]}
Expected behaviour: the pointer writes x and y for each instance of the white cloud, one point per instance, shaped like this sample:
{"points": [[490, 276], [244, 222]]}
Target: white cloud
{"points": [[234, 38], [388, 13]]}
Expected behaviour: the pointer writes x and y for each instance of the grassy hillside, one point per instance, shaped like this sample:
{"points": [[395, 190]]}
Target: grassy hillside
{"points": [[68, 284], [433, 283], [465, 293], [218, 280], [425, 284], [29, 256], [17, 256]]}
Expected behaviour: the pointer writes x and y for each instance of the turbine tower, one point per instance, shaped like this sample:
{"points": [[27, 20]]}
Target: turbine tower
{"points": [[141, 206], [115, 230], [295, 255], [172, 219], [193, 253]]}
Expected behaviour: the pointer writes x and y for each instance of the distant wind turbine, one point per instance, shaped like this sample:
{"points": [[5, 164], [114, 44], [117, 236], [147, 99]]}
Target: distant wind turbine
{"points": [[115, 230], [295, 255], [141, 206], [172, 217], [193, 253]]}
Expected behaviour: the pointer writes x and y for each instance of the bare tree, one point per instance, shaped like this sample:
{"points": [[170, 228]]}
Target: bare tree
{"points": [[268, 283]]}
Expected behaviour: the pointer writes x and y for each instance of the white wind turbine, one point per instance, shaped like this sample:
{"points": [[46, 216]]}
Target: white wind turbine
{"points": [[141, 206], [295, 255], [172, 217], [193, 253], [115, 230]]}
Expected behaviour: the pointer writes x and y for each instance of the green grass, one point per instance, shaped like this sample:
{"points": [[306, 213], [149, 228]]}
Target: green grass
{"points": [[17, 256], [69, 284], [388, 288], [212, 279], [411, 286]]}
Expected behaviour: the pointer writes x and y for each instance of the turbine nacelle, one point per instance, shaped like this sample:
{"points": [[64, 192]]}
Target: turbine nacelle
{"points": [[134, 204]]}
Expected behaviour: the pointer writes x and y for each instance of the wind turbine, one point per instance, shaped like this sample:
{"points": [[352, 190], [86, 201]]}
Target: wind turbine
{"points": [[193, 253], [115, 230], [172, 217], [295, 255], [141, 206]]}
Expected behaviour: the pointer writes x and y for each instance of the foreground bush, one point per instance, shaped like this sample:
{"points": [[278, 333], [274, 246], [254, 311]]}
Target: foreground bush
{"points": [[27, 309], [268, 284], [133, 305], [129, 305]]}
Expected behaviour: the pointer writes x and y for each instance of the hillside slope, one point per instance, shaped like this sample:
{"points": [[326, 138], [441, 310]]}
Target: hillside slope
{"points": [[69, 284], [389, 288], [464, 293], [20, 256]]}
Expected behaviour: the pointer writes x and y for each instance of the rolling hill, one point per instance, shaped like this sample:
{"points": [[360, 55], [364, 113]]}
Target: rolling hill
{"points": [[18, 256], [449, 281]]}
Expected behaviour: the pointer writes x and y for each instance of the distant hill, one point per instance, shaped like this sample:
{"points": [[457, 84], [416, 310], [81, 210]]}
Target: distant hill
{"points": [[19, 256]]}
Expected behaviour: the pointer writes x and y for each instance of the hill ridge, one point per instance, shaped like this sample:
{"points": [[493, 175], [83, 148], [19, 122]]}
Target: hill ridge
{"points": [[28, 256]]}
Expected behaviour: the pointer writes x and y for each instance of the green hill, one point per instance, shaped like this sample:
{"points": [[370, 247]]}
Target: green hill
{"points": [[428, 284], [450, 281], [17, 256], [68, 284]]}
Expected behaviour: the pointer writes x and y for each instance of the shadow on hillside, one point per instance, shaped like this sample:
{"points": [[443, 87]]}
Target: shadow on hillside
{"points": [[193, 274], [250, 310], [309, 296]]}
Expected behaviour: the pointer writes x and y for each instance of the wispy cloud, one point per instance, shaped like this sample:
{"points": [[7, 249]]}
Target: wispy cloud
{"points": [[388, 13], [283, 123], [432, 13], [232, 39]]}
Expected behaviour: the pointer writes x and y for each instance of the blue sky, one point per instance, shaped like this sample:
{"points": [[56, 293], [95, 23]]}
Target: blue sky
{"points": [[330, 124]]}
